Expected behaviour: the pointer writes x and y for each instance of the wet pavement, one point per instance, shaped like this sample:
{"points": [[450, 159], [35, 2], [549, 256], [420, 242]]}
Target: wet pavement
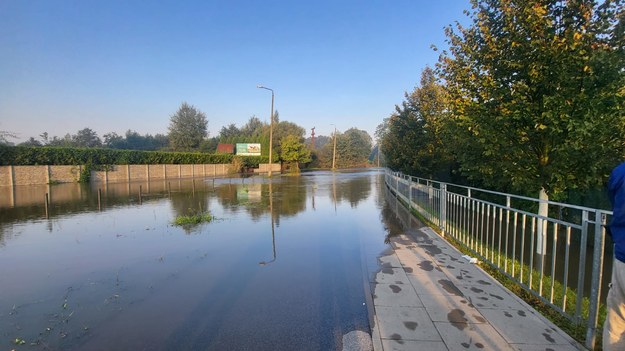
{"points": [[428, 297]]}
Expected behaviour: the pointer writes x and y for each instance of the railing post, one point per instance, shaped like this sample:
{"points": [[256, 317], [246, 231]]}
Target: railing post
{"points": [[410, 194], [443, 212], [582, 266], [597, 272]]}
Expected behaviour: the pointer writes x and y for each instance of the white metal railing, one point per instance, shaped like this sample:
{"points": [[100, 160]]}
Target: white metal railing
{"points": [[557, 258]]}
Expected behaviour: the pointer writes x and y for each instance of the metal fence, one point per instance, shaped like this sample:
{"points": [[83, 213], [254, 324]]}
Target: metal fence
{"points": [[559, 258]]}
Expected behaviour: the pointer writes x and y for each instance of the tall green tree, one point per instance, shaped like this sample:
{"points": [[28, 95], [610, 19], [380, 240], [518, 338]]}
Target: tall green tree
{"points": [[253, 128], [294, 151], [353, 148], [283, 129], [229, 133], [412, 138], [536, 93], [86, 137], [187, 128]]}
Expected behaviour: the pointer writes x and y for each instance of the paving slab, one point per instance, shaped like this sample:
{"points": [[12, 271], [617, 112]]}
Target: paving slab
{"points": [[524, 327], [451, 308], [412, 345], [389, 261], [428, 283], [405, 323], [428, 297], [490, 296], [397, 295], [390, 276], [467, 336]]}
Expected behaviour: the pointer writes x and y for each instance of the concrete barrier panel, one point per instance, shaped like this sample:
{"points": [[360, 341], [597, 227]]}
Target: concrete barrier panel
{"points": [[65, 174], [27, 175], [138, 172]]}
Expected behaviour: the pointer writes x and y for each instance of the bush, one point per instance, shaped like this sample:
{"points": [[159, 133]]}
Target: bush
{"points": [[29, 156]]}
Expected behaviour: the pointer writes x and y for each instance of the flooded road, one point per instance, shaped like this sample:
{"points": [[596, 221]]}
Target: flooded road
{"points": [[284, 266]]}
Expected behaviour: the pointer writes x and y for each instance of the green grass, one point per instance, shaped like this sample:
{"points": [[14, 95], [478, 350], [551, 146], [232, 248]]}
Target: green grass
{"points": [[185, 220]]}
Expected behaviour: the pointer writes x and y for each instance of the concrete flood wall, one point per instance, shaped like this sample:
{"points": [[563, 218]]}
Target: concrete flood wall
{"points": [[129, 173], [39, 175], [33, 175]]}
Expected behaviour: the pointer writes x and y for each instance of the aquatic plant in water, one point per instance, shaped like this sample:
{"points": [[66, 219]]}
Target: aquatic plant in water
{"points": [[197, 218]]}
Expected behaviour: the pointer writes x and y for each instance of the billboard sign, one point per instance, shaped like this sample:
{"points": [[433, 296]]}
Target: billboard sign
{"points": [[248, 149]]}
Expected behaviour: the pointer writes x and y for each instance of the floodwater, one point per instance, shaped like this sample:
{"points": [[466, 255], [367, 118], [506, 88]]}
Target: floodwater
{"points": [[284, 266]]}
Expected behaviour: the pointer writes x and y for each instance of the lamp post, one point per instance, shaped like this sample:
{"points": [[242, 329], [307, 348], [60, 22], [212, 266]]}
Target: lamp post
{"points": [[334, 152], [270, 129]]}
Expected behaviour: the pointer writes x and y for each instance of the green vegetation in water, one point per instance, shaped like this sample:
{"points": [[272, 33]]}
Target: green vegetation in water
{"points": [[201, 217]]}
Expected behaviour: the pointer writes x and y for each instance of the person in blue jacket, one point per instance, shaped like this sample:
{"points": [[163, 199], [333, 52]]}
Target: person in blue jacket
{"points": [[614, 327]]}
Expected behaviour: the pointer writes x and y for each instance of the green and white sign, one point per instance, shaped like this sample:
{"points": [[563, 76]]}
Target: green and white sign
{"points": [[248, 149]]}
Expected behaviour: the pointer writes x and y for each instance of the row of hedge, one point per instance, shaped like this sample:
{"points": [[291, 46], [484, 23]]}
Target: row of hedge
{"points": [[29, 156]]}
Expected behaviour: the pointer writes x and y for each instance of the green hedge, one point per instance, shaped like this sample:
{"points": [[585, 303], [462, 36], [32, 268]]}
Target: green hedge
{"points": [[28, 156]]}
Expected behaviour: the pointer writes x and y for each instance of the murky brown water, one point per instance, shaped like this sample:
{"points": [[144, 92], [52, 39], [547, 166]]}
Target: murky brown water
{"points": [[284, 266]]}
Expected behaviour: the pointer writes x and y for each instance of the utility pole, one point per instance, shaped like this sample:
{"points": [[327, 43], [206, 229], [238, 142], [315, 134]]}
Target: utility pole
{"points": [[270, 129]]}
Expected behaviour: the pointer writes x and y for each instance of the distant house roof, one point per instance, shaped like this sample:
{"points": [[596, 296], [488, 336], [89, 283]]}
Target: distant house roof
{"points": [[225, 148]]}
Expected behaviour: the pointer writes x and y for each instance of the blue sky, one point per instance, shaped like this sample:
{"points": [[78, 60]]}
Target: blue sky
{"points": [[116, 65]]}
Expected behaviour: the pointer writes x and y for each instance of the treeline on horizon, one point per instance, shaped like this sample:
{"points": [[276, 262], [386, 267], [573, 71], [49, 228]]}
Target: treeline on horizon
{"points": [[187, 142], [528, 98]]}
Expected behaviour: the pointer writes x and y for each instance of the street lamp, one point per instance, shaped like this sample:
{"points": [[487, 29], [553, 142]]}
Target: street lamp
{"points": [[270, 128], [334, 152]]}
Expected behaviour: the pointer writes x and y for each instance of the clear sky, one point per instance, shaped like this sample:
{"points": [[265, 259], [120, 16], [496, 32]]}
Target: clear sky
{"points": [[115, 65]]}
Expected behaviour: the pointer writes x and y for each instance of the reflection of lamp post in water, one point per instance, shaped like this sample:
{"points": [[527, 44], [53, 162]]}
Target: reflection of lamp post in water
{"points": [[273, 234], [334, 191]]}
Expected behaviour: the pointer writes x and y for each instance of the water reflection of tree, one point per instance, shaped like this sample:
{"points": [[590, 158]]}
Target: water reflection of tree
{"points": [[289, 197], [354, 190], [189, 203]]}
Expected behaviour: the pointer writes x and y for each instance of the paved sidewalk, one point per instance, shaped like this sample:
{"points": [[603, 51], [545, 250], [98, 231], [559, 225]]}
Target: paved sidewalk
{"points": [[427, 297]]}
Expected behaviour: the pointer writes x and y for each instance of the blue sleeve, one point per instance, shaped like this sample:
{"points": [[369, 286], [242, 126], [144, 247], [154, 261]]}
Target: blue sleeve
{"points": [[616, 193]]}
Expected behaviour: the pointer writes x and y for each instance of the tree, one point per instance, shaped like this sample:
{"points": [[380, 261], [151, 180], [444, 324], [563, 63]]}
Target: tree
{"points": [[31, 142], [412, 138], [536, 93], [187, 128], [66, 141], [86, 138], [114, 141], [283, 129], [253, 128], [320, 141], [353, 148], [294, 151], [229, 133], [45, 139], [135, 141], [5, 136]]}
